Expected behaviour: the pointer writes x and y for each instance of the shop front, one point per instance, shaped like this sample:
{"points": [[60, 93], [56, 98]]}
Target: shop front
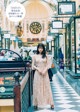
{"points": [[72, 45]]}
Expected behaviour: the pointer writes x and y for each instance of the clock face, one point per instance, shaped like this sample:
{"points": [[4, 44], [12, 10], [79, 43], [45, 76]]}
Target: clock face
{"points": [[35, 27]]}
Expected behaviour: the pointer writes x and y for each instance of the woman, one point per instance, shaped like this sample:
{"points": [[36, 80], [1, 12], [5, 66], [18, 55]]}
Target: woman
{"points": [[42, 94], [61, 59]]}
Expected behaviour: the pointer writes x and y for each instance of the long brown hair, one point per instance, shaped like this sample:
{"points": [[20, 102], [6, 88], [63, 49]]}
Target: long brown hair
{"points": [[43, 52]]}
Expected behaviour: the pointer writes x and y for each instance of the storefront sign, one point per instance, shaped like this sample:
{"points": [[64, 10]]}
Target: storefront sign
{"points": [[57, 24], [66, 8], [6, 35]]}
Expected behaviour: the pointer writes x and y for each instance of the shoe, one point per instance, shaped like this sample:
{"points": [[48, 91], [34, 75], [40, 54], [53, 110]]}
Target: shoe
{"points": [[52, 106], [36, 107]]}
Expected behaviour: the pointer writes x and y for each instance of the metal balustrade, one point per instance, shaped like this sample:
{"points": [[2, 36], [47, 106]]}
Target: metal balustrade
{"points": [[17, 85], [23, 92]]}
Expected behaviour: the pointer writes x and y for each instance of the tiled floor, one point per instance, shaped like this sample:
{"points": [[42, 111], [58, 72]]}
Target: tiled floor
{"points": [[64, 96]]}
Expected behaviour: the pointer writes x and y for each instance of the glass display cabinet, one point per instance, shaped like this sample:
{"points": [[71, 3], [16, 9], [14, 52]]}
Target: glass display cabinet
{"points": [[75, 45], [0, 42], [72, 47], [67, 47], [7, 43]]}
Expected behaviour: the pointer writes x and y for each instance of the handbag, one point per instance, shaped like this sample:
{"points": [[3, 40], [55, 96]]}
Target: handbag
{"points": [[52, 66], [53, 70], [50, 72]]}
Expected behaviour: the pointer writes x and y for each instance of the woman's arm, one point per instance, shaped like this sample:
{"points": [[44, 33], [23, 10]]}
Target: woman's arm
{"points": [[48, 65], [33, 63], [34, 67]]}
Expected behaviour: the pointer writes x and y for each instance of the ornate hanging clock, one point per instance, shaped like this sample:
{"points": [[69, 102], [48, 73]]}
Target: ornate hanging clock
{"points": [[35, 27]]}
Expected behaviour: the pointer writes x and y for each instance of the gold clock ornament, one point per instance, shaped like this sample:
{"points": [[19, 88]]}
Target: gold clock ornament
{"points": [[35, 27]]}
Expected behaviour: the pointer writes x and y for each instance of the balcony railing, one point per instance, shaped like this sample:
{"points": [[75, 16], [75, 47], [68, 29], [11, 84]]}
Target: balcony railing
{"points": [[16, 83]]}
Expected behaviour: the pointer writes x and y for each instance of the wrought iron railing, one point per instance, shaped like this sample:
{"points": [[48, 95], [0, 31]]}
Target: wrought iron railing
{"points": [[23, 92], [17, 85]]}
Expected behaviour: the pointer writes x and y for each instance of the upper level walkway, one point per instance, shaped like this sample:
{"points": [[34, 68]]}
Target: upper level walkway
{"points": [[64, 96]]}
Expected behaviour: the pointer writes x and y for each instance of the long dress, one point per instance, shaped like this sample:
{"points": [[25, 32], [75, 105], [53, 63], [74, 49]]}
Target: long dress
{"points": [[42, 94]]}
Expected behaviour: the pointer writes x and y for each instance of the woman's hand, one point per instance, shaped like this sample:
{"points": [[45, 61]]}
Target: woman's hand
{"points": [[39, 71], [44, 72]]}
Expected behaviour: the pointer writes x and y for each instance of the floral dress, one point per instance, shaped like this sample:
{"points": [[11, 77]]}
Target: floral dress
{"points": [[42, 94]]}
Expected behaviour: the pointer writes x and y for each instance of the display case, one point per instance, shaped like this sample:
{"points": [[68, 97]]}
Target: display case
{"points": [[78, 45], [75, 44], [7, 43], [0, 42], [72, 47], [68, 48]]}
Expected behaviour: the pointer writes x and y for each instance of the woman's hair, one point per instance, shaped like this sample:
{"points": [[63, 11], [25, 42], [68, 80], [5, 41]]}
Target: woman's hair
{"points": [[60, 50], [40, 45]]}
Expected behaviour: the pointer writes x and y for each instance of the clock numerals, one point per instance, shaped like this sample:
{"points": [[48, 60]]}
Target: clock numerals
{"points": [[35, 27]]}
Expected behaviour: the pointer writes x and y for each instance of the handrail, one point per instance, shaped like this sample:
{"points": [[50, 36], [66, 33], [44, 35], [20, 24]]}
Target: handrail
{"points": [[22, 91], [24, 81], [17, 95]]}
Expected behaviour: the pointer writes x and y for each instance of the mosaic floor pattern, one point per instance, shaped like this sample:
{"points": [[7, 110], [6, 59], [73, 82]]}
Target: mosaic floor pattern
{"points": [[64, 96]]}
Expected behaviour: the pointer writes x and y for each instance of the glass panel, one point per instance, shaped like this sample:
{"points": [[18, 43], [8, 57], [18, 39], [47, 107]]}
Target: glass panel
{"points": [[72, 47], [6, 55], [0, 41], [78, 45], [7, 85], [68, 48], [7, 43]]}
